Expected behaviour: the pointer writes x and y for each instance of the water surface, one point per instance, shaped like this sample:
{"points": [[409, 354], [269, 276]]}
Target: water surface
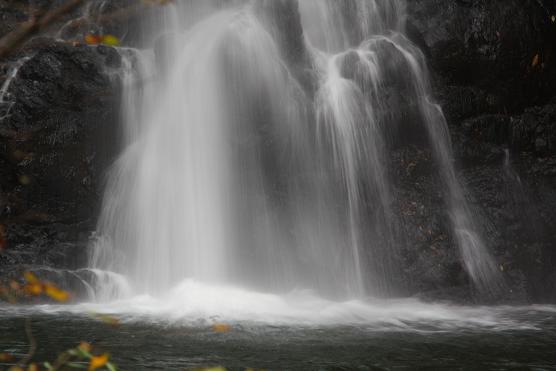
{"points": [[299, 331]]}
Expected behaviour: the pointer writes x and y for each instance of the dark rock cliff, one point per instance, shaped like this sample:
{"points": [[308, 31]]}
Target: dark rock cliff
{"points": [[56, 140], [494, 68]]}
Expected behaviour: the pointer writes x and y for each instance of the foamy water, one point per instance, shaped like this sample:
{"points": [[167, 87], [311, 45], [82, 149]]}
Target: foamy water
{"points": [[192, 303]]}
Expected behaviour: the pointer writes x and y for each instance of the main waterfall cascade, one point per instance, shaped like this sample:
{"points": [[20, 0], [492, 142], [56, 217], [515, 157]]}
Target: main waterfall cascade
{"points": [[235, 172]]}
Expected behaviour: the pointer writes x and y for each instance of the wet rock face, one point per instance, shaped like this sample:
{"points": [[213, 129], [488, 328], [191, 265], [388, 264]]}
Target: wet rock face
{"points": [[508, 163], [494, 68], [535, 130], [518, 205], [503, 49], [284, 21], [429, 259], [55, 146]]}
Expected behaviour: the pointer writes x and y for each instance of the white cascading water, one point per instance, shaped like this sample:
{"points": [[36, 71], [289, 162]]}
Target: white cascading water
{"points": [[235, 173]]}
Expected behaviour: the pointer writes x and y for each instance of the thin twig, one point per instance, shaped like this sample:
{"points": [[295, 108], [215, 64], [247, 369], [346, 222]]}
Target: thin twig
{"points": [[32, 344], [61, 361], [117, 15], [36, 23]]}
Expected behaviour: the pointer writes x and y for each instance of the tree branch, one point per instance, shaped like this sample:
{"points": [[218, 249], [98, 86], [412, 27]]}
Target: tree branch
{"points": [[32, 344], [11, 42], [120, 14]]}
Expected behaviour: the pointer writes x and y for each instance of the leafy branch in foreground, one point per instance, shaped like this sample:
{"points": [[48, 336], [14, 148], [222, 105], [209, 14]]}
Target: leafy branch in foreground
{"points": [[80, 357], [43, 18], [37, 22]]}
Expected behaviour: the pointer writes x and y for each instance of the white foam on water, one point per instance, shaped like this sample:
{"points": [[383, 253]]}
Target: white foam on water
{"points": [[192, 303]]}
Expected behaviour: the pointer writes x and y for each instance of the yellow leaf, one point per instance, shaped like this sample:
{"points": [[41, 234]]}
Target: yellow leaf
{"points": [[33, 289], [110, 40], [33, 367], [15, 368], [30, 277], [98, 362], [85, 346], [56, 293], [93, 39], [107, 319], [221, 328], [536, 60]]}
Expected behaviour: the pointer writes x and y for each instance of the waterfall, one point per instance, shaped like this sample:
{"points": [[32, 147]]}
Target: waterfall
{"points": [[237, 171]]}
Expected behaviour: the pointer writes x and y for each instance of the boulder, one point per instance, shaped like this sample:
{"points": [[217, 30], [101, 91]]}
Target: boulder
{"points": [[55, 145]]}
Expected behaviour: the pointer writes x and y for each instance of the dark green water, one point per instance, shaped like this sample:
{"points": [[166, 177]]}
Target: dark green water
{"points": [[138, 345]]}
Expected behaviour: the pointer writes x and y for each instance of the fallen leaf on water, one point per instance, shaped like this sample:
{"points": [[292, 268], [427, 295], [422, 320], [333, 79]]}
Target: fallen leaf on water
{"points": [[112, 321], [221, 328], [98, 362], [33, 367], [15, 368]]}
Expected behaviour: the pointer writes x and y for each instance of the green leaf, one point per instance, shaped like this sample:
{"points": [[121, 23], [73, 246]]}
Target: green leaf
{"points": [[83, 353]]}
